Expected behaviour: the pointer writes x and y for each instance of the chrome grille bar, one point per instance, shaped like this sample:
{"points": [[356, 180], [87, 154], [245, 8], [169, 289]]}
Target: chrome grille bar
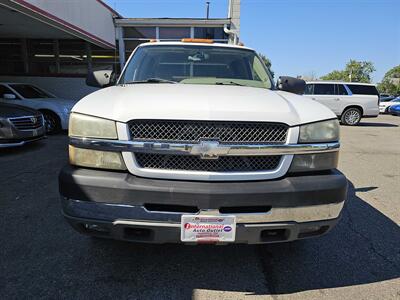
{"points": [[201, 150], [27, 122]]}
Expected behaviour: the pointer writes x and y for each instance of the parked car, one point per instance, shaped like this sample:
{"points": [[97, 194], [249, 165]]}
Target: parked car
{"points": [[55, 110], [195, 144], [384, 106], [394, 110], [350, 101], [19, 125], [386, 99], [383, 95]]}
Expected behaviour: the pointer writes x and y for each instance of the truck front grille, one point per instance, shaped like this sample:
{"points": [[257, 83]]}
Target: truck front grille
{"points": [[195, 163], [193, 131], [27, 123]]}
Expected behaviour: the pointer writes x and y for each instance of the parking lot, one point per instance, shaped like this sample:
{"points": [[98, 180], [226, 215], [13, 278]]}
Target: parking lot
{"points": [[42, 257]]}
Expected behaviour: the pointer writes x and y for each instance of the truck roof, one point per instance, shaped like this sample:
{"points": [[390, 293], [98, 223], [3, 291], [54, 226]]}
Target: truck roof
{"points": [[195, 44]]}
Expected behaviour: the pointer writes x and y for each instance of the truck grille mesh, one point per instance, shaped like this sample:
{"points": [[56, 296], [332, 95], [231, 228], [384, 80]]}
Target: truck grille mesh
{"points": [[193, 131], [27, 123], [195, 163]]}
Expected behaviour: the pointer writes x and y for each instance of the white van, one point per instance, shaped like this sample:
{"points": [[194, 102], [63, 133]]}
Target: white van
{"points": [[350, 101]]}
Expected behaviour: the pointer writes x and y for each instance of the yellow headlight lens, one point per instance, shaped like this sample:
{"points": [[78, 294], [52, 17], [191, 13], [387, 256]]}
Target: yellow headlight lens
{"points": [[96, 159], [320, 132], [88, 126]]}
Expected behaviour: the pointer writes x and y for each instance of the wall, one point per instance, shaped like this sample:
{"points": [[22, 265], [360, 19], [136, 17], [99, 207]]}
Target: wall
{"points": [[69, 88], [234, 15]]}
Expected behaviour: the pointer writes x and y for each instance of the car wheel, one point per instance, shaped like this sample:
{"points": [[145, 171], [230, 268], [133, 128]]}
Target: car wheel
{"points": [[51, 122], [351, 116]]}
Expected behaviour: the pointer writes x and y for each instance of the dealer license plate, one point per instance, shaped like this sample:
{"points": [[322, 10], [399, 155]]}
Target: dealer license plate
{"points": [[196, 228]]}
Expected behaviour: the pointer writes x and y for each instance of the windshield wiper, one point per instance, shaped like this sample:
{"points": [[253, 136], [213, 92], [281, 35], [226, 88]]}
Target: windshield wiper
{"points": [[151, 80], [229, 83]]}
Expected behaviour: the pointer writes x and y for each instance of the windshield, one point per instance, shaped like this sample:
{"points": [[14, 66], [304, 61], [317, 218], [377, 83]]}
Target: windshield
{"points": [[29, 91], [196, 65]]}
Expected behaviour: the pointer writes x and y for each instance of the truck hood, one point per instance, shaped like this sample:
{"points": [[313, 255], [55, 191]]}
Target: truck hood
{"points": [[201, 102]]}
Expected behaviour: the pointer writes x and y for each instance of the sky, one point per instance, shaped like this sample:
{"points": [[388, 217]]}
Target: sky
{"points": [[301, 37]]}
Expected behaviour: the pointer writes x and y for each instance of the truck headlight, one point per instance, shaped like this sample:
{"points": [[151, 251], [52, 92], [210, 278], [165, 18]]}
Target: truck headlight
{"points": [[93, 127], [320, 132], [96, 159]]}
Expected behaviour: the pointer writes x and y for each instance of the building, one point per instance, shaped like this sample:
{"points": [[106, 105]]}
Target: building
{"points": [[54, 44]]}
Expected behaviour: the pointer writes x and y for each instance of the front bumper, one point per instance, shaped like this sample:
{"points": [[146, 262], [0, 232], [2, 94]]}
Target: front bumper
{"points": [[18, 143], [123, 206], [10, 136]]}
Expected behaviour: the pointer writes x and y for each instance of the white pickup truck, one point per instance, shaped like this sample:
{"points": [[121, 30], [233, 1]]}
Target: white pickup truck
{"points": [[195, 144]]}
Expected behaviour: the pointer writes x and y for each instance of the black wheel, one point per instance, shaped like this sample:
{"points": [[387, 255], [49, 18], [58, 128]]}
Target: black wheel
{"points": [[351, 116], [51, 122]]}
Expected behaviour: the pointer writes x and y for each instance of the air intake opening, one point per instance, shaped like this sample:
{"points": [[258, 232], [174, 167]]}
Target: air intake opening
{"points": [[171, 208], [138, 234], [274, 235], [244, 209]]}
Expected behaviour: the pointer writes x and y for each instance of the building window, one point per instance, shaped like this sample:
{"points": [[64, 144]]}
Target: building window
{"points": [[73, 57], [11, 57], [103, 59], [174, 33], [140, 32], [41, 57], [215, 33]]}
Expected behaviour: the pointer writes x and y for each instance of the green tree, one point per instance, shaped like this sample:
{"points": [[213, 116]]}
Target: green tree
{"points": [[390, 83], [268, 63], [355, 71]]}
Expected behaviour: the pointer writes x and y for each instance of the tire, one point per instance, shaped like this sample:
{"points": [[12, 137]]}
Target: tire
{"points": [[52, 122], [351, 116]]}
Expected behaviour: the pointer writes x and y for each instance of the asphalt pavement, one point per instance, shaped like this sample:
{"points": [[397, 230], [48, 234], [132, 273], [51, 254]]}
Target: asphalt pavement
{"points": [[42, 257]]}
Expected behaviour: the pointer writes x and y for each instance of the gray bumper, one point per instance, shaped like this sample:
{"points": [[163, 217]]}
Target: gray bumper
{"points": [[122, 206]]}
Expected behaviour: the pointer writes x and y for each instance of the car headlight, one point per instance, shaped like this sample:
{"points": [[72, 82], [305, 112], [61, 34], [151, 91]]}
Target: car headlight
{"points": [[96, 159], [320, 132], [93, 127]]}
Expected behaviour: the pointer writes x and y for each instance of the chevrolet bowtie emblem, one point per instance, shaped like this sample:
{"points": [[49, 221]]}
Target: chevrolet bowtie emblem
{"points": [[208, 149]]}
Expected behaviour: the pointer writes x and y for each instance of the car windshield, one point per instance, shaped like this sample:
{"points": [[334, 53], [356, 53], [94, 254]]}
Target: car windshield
{"points": [[189, 64], [30, 91]]}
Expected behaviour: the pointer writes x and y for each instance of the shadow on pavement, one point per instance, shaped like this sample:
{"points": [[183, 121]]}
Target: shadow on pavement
{"points": [[363, 248], [376, 124]]}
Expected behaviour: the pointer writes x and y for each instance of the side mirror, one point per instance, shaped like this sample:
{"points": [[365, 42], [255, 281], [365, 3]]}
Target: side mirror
{"points": [[291, 84], [9, 97], [101, 78]]}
